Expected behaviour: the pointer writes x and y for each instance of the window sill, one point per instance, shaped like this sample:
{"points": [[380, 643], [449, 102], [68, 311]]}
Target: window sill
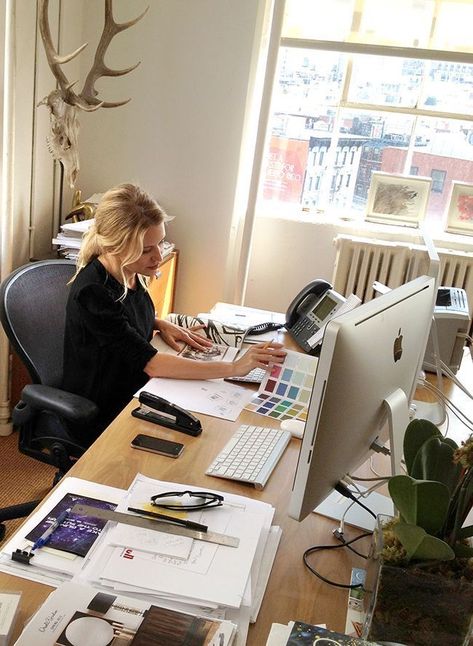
{"points": [[360, 227]]}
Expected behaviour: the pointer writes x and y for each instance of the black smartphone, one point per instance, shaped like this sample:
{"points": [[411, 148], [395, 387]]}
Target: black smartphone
{"points": [[157, 445]]}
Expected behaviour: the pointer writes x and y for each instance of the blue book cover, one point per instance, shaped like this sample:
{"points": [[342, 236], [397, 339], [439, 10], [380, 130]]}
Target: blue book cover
{"points": [[77, 533]]}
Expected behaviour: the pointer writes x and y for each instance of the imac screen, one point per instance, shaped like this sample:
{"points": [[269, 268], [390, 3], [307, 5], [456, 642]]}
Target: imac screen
{"points": [[368, 355]]}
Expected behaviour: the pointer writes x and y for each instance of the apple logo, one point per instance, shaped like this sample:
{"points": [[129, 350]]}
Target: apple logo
{"points": [[397, 347]]}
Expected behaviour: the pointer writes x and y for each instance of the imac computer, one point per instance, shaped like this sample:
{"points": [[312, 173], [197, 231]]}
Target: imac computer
{"points": [[365, 380]]}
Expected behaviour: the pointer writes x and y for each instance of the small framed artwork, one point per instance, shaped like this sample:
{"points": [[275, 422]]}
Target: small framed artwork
{"points": [[397, 199], [459, 215]]}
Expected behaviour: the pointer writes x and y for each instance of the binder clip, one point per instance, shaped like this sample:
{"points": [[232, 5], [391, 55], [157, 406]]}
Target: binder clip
{"points": [[22, 556], [160, 411]]}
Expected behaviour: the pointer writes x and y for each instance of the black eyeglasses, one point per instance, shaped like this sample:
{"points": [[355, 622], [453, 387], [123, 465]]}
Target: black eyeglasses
{"points": [[202, 500]]}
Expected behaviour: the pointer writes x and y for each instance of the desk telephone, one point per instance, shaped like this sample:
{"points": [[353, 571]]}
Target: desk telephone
{"points": [[310, 311]]}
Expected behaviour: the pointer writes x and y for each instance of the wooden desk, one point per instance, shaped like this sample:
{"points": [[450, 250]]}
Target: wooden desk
{"points": [[292, 592]]}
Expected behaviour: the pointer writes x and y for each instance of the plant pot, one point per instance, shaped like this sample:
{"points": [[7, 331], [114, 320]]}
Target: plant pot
{"points": [[412, 606]]}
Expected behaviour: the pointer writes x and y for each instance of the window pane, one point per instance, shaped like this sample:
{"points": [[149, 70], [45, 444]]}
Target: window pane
{"points": [[376, 142], [306, 79], [318, 19], [386, 81], [404, 23], [438, 180], [453, 26], [443, 148], [449, 87], [308, 84], [285, 166]]}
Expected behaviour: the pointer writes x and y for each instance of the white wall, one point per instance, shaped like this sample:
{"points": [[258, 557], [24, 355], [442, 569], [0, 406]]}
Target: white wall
{"points": [[180, 136]]}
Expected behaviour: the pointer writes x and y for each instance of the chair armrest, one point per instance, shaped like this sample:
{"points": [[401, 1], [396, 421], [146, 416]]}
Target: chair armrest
{"points": [[68, 405]]}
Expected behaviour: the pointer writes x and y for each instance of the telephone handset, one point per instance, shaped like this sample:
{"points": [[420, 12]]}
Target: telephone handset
{"points": [[310, 310]]}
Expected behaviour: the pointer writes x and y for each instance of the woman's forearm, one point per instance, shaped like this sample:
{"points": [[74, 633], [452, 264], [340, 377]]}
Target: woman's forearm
{"points": [[168, 365]]}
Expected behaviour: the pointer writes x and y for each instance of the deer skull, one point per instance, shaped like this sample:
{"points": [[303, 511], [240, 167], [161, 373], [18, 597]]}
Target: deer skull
{"points": [[62, 141], [64, 103]]}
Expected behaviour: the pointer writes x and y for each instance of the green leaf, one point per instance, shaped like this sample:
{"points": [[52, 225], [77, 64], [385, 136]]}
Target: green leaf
{"points": [[421, 546], [434, 461], [420, 502], [417, 432], [450, 442]]}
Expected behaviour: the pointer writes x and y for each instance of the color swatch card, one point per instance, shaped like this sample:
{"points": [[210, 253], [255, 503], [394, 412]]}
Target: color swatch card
{"points": [[285, 392]]}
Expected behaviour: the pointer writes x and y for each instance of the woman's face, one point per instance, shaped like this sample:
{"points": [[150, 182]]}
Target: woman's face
{"points": [[147, 264]]}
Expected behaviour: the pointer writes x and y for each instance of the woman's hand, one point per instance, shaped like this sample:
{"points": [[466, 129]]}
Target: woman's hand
{"points": [[174, 335], [261, 355]]}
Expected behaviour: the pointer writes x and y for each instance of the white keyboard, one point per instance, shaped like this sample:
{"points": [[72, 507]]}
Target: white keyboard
{"points": [[251, 455], [255, 376]]}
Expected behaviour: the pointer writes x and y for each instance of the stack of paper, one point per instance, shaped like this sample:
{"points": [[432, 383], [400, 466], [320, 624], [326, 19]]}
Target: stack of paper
{"points": [[177, 572], [246, 317], [77, 614], [185, 573], [69, 238]]}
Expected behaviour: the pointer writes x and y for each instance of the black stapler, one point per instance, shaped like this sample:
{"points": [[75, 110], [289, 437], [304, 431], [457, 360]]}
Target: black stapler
{"points": [[160, 411]]}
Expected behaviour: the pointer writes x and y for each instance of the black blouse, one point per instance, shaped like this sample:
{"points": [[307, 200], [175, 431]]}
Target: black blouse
{"points": [[107, 342]]}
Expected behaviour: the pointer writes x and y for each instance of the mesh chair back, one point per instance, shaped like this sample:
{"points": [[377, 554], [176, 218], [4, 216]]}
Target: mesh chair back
{"points": [[33, 310]]}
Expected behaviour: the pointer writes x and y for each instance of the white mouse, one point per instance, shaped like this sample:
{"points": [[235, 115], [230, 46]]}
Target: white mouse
{"points": [[294, 426]]}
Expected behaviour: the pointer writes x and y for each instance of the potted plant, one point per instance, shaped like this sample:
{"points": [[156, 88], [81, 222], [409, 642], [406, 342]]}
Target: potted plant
{"points": [[420, 577]]}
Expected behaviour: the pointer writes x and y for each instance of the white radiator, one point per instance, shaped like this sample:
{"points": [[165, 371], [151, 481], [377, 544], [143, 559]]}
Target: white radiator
{"points": [[361, 261]]}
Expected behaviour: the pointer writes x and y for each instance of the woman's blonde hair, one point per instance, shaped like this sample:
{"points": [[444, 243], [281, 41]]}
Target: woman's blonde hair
{"points": [[123, 216]]}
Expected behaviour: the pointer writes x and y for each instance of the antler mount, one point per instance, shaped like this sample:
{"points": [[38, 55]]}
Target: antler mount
{"points": [[64, 102]]}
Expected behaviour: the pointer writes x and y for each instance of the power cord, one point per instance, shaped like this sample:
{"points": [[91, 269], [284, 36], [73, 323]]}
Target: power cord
{"points": [[338, 534], [318, 548], [345, 491]]}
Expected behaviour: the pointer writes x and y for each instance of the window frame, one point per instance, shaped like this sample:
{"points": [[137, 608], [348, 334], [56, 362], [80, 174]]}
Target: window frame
{"points": [[278, 41]]}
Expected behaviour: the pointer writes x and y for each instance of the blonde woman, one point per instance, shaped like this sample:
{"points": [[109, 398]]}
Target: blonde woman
{"points": [[110, 318]]}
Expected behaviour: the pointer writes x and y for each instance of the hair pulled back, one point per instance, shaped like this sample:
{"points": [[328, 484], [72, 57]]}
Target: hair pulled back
{"points": [[123, 216]]}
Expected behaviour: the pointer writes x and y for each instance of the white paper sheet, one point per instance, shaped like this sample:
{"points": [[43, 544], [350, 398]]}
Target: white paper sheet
{"points": [[214, 397]]}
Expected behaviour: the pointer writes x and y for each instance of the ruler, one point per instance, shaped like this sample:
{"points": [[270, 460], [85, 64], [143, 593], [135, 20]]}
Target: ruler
{"points": [[156, 525]]}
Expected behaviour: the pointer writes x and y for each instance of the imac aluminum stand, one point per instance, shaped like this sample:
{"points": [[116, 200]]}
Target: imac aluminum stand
{"points": [[340, 508]]}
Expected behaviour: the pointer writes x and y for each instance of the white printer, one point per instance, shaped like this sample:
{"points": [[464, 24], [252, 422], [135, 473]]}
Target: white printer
{"points": [[452, 320]]}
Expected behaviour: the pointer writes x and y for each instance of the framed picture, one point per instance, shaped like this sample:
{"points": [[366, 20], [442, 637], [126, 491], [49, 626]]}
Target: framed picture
{"points": [[397, 199], [459, 215]]}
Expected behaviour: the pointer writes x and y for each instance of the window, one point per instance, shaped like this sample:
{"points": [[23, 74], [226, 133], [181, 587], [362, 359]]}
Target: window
{"points": [[438, 180], [355, 94]]}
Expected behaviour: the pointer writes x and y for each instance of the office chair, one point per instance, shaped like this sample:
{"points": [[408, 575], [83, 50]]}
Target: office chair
{"points": [[32, 311]]}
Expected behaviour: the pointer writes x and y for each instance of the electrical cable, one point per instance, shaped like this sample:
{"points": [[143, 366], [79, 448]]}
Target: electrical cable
{"points": [[339, 535], [451, 406], [318, 548], [344, 491], [451, 375]]}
